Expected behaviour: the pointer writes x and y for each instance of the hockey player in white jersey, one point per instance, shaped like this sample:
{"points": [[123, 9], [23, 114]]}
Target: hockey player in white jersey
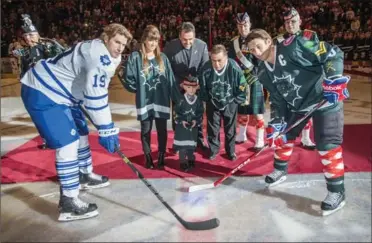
{"points": [[52, 91]]}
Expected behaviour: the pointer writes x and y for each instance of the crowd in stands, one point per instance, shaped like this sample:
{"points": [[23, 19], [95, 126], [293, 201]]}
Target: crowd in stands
{"points": [[343, 22]]}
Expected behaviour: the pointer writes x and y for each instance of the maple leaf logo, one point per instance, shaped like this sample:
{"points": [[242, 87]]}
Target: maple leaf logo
{"points": [[105, 60]]}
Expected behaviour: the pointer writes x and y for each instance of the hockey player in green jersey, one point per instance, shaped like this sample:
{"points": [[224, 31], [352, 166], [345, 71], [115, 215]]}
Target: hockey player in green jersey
{"points": [[149, 75], [299, 73], [189, 114], [223, 88], [292, 24]]}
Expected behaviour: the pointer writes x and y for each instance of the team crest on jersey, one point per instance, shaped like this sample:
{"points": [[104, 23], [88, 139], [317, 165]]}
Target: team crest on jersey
{"points": [[288, 88], [105, 60], [289, 40], [221, 91], [153, 81]]}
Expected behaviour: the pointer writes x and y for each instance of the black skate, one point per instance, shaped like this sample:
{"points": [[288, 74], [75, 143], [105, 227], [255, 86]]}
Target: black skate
{"points": [[333, 202], [72, 208], [92, 180], [276, 177]]}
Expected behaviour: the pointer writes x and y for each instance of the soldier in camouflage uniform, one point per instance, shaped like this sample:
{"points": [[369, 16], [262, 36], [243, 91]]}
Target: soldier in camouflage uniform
{"points": [[292, 24], [189, 114], [254, 104], [299, 73], [37, 48]]}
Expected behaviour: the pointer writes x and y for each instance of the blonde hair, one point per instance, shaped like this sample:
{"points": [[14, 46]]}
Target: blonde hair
{"points": [[151, 32], [114, 29]]}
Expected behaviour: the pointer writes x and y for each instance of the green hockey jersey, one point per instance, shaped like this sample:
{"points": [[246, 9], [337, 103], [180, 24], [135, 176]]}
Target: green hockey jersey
{"points": [[222, 88], [153, 88], [186, 110], [295, 79]]}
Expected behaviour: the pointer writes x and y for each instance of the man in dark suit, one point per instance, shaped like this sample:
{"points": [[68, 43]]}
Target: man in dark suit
{"points": [[187, 56]]}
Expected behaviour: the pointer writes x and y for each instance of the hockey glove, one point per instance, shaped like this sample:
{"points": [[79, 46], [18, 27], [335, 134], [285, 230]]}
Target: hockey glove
{"points": [[273, 130], [335, 90], [79, 120], [108, 137]]}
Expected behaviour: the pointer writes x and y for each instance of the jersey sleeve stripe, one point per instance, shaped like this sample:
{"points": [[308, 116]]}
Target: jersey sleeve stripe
{"points": [[96, 108], [95, 97], [57, 81], [47, 86]]}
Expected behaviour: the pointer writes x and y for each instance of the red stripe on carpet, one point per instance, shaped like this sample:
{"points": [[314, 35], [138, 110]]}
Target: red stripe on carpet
{"points": [[27, 163]]}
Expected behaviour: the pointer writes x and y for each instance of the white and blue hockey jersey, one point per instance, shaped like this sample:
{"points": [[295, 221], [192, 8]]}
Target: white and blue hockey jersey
{"points": [[81, 73]]}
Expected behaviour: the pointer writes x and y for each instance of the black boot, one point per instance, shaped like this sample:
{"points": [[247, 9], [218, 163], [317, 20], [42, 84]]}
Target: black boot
{"points": [[161, 162], [149, 162], [192, 163], [185, 166]]}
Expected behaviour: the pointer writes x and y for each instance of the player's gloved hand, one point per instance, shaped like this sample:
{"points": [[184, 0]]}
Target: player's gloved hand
{"points": [[336, 90], [108, 137], [273, 129], [79, 120]]}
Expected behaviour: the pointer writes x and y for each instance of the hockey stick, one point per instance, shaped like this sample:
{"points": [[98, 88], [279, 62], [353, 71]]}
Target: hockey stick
{"points": [[202, 225], [219, 181]]}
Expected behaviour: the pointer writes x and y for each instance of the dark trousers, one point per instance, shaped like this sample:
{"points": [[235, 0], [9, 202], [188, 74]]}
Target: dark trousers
{"points": [[200, 139], [186, 154], [161, 129], [214, 116]]}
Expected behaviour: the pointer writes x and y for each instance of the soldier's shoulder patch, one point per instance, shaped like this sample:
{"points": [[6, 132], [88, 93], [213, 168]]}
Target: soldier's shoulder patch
{"points": [[308, 34]]}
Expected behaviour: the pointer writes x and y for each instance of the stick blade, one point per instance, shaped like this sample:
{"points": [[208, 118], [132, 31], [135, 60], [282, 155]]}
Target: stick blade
{"points": [[200, 187], [202, 225]]}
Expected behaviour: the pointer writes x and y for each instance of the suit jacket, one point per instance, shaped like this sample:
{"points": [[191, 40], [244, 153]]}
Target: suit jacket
{"points": [[178, 58]]}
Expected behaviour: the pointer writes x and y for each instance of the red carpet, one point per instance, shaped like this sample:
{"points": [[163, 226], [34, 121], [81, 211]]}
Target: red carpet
{"points": [[27, 163]]}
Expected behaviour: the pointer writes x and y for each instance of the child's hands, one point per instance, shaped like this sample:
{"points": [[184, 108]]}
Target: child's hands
{"points": [[185, 124], [193, 124]]}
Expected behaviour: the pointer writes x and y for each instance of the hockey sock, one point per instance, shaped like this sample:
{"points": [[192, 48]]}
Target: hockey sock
{"points": [[84, 155], [67, 166], [333, 168], [282, 155]]}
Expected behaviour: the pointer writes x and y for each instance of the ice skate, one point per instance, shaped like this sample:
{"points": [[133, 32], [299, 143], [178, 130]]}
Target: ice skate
{"points": [[92, 180], [276, 177], [333, 202], [72, 208]]}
